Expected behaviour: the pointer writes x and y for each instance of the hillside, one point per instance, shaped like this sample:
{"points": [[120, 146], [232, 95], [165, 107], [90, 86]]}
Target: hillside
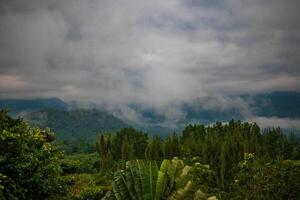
{"points": [[79, 123], [278, 104], [210, 109], [15, 106], [53, 113]]}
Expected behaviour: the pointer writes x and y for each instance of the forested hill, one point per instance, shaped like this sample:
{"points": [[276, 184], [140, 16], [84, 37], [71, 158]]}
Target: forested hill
{"points": [[54, 113], [207, 110], [279, 104], [80, 123], [15, 106]]}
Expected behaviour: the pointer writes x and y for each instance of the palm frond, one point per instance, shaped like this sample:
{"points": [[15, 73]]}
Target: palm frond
{"points": [[162, 179], [174, 171], [120, 188], [151, 172], [185, 193]]}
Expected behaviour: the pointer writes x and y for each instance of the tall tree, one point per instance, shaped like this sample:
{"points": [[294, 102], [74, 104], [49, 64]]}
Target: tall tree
{"points": [[154, 149], [103, 147], [138, 141], [172, 147], [127, 150], [29, 165]]}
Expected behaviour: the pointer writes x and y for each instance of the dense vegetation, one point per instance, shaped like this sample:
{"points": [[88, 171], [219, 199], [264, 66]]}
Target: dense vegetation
{"points": [[17, 106], [79, 124], [29, 166], [70, 125], [222, 161]]}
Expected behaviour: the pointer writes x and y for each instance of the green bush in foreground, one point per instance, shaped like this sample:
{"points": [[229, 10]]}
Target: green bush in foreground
{"points": [[258, 180], [29, 167]]}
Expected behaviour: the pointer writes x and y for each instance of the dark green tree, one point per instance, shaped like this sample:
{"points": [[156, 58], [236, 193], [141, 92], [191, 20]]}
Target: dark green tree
{"points": [[103, 147], [126, 150], [154, 149], [259, 180], [29, 165], [138, 141], [172, 147]]}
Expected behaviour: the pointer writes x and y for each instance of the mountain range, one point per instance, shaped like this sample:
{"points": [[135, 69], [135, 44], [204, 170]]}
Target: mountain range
{"points": [[70, 121]]}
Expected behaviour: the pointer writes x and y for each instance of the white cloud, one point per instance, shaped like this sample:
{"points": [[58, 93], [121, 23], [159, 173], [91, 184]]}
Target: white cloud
{"points": [[285, 123], [157, 53]]}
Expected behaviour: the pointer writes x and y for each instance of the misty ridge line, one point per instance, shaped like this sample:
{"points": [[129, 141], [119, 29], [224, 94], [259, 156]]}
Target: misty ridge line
{"points": [[138, 99], [257, 108]]}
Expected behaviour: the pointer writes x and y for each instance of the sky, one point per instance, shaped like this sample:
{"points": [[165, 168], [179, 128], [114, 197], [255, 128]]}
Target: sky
{"points": [[156, 53]]}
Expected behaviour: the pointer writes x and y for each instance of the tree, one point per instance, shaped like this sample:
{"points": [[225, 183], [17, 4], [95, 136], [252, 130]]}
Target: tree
{"points": [[273, 139], [154, 149], [137, 140], [29, 166], [172, 147], [127, 150], [103, 147], [196, 131], [259, 180]]}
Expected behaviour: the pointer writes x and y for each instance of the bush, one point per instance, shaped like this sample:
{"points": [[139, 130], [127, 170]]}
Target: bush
{"points": [[84, 187], [276, 180], [80, 163], [29, 166]]}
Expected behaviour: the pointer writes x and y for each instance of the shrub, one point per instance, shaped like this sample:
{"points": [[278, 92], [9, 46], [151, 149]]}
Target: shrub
{"points": [[29, 166], [84, 187]]}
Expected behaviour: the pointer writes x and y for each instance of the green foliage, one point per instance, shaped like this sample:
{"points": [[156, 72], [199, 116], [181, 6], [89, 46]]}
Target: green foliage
{"points": [[136, 144], [82, 123], [193, 131], [213, 152], [80, 163], [17, 106], [213, 163], [126, 150], [103, 147], [75, 146], [29, 166], [85, 187], [172, 147], [143, 180], [222, 146], [205, 178], [154, 149], [217, 150], [258, 180]]}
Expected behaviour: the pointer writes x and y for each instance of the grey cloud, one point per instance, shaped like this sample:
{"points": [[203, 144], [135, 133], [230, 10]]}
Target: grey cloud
{"points": [[285, 123], [157, 53]]}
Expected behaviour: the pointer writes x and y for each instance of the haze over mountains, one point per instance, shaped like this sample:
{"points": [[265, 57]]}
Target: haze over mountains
{"points": [[154, 64], [172, 80], [86, 120]]}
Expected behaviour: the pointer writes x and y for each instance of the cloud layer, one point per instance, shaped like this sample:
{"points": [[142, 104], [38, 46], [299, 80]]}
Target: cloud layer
{"points": [[284, 123], [156, 53]]}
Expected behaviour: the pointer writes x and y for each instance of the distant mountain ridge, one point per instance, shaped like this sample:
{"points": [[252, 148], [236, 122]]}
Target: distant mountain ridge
{"points": [[80, 123], [67, 121], [20, 105], [273, 104], [279, 104], [209, 109]]}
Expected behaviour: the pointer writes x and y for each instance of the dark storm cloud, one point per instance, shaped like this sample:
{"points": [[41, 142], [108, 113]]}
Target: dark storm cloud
{"points": [[157, 53]]}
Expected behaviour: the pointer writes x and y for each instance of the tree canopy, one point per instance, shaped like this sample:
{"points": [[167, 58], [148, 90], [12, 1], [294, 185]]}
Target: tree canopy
{"points": [[29, 165]]}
